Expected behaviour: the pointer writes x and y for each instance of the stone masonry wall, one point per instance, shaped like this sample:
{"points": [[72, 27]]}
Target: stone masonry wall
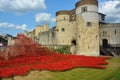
{"points": [[87, 37]]}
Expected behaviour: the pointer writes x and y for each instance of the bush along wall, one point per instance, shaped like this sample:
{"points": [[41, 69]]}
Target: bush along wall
{"points": [[63, 50]]}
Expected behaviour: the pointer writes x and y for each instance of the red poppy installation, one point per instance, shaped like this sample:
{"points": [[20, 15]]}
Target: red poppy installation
{"points": [[26, 55]]}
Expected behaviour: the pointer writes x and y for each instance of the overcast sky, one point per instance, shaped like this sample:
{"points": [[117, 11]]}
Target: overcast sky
{"points": [[19, 15]]}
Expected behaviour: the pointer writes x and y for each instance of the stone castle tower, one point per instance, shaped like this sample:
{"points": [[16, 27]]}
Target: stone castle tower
{"points": [[87, 23], [79, 26], [65, 27], [62, 18]]}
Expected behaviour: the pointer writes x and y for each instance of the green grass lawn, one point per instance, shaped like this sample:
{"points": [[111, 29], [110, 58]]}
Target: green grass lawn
{"points": [[112, 72]]}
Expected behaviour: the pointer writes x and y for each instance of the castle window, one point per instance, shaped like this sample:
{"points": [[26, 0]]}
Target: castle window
{"points": [[63, 29], [88, 24], [73, 42], [115, 31], [57, 30], [103, 18], [83, 9], [104, 33]]}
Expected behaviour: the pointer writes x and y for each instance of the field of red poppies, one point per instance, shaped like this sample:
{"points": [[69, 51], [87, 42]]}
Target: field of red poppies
{"points": [[26, 55]]}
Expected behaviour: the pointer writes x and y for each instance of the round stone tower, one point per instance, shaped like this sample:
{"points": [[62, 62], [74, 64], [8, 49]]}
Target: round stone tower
{"points": [[87, 27], [62, 22]]}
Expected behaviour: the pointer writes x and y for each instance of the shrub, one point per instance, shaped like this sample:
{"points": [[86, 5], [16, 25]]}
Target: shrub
{"points": [[63, 50]]}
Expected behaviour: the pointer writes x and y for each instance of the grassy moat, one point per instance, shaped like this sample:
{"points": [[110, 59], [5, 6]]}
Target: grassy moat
{"points": [[112, 72]]}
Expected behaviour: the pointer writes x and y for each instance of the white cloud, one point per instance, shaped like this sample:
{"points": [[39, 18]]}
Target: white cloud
{"points": [[44, 18], [112, 10], [22, 6], [9, 25]]}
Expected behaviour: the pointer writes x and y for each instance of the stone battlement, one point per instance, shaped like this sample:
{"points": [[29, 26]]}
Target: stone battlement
{"points": [[111, 24]]}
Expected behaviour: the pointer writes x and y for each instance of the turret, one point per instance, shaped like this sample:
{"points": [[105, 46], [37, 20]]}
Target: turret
{"points": [[88, 9], [87, 23], [62, 21]]}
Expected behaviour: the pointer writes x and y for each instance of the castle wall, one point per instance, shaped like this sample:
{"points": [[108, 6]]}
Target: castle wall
{"points": [[10, 41], [47, 38], [87, 38], [39, 29], [44, 38], [88, 17], [31, 35], [111, 32]]}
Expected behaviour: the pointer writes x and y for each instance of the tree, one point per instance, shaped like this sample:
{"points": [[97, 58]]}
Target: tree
{"points": [[2, 40]]}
